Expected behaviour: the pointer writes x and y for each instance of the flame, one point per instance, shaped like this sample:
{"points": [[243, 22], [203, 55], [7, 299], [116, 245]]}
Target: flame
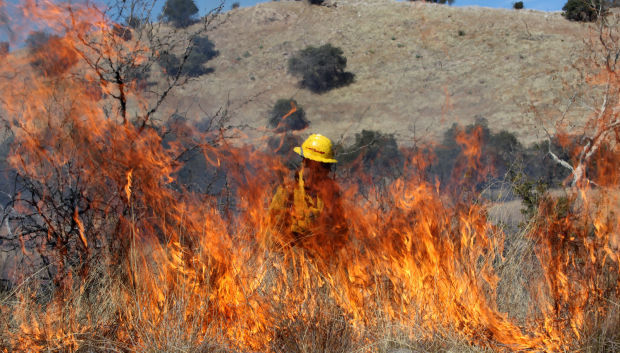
{"points": [[80, 226], [128, 185], [176, 267], [471, 167], [290, 112]]}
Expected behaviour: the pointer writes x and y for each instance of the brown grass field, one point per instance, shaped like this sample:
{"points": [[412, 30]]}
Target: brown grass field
{"points": [[414, 74]]}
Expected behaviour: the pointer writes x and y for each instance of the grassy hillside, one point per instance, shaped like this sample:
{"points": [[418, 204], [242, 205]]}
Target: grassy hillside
{"points": [[419, 67]]}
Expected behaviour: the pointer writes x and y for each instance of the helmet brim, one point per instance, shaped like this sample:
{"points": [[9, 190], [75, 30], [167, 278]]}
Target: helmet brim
{"points": [[313, 157]]}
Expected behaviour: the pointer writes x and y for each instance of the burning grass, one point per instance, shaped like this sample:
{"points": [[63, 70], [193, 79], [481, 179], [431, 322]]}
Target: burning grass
{"points": [[126, 260], [416, 271], [292, 300]]}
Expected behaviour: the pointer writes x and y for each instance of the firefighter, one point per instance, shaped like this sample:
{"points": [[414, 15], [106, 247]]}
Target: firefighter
{"points": [[308, 210]]}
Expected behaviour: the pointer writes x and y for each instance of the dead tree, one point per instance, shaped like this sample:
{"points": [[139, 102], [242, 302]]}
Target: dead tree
{"points": [[603, 126]]}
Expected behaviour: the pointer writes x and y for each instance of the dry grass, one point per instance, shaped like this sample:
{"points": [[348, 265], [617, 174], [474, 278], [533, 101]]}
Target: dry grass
{"points": [[108, 311], [415, 75], [411, 65], [103, 314]]}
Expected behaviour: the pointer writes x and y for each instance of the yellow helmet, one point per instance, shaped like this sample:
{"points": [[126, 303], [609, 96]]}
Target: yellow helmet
{"points": [[317, 148]]}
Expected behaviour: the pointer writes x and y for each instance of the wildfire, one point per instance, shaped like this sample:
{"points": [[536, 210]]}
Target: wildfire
{"points": [[159, 264], [128, 185]]}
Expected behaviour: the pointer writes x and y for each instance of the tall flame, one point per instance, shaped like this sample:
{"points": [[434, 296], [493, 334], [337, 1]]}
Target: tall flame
{"points": [[168, 266]]}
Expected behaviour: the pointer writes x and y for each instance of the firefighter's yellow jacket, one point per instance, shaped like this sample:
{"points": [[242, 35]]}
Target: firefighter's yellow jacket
{"points": [[309, 214]]}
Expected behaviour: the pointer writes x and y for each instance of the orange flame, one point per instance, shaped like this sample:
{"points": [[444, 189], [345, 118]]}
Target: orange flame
{"points": [[205, 269], [290, 112], [80, 226], [128, 185]]}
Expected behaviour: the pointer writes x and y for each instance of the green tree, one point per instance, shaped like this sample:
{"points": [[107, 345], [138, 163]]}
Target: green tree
{"points": [[373, 155], [180, 12], [584, 10], [321, 68], [202, 50]]}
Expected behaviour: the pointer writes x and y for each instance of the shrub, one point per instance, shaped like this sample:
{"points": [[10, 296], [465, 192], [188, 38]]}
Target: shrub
{"points": [[295, 121], [446, 156], [169, 62], [203, 50], [122, 32], [4, 48], [139, 75], [38, 39], [50, 55], [180, 12], [499, 152], [373, 154], [503, 150], [518, 5], [7, 177], [195, 173], [321, 68], [530, 191], [538, 165], [583, 10], [204, 47], [501, 155], [235, 5], [134, 22]]}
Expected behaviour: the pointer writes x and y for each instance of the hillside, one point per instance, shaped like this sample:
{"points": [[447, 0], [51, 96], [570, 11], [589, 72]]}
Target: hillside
{"points": [[419, 67]]}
